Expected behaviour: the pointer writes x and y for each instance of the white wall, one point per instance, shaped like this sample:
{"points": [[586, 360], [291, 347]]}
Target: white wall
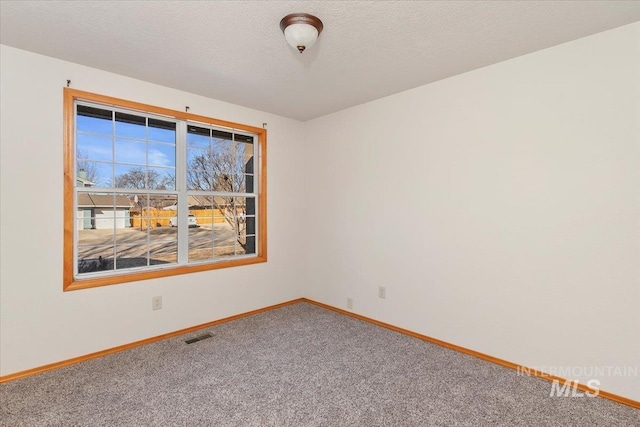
{"points": [[39, 323], [500, 208]]}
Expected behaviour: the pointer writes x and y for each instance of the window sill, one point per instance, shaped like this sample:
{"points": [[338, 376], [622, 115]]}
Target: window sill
{"points": [[73, 284]]}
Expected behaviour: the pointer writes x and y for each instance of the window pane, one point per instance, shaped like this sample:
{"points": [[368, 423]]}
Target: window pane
{"points": [[224, 251], [198, 136], [131, 235], [240, 206], [97, 216], [198, 180], [162, 232], [224, 235], [197, 158], [197, 254], [95, 120], [225, 166], [94, 147], [162, 155], [199, 169], [222, 146], [131, 256], [245, 157], [200, 244], [204, 214], [129, 151], [247, 245], [161, 179], [93, 174], [230, 183], [217, 134], [250, 186], [128, 176], [223, 207], [93, 259], [150, 220], [229, 164], [226, 230], [131, 125], [163, 253], [222, 231], [162, 131], [250, 220], [161, 208], [240, 183], [201, 235], [247, 139], [126, 214]]}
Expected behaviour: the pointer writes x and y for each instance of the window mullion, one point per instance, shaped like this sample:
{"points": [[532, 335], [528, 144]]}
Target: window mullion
{"points": [[183, 197], [257, 171]]}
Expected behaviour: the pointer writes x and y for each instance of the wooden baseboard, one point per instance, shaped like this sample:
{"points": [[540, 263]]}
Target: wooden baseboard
{"points": [[79, 359], [519, 368]]}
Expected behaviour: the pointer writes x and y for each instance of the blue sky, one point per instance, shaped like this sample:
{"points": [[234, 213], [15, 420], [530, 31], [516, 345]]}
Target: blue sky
{"points": [[116, 147], [124, 146]]}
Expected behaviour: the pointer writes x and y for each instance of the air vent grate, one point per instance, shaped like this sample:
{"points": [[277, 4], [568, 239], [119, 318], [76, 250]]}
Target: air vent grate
{"points": [[199, 338]]}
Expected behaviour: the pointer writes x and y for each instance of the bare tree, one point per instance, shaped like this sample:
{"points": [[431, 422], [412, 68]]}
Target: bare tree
{"points": [[90, 168], [223, 169], [139, 178]]}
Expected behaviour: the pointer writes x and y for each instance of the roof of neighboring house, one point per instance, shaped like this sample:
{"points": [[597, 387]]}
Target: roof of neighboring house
{"points": [[102, 200], [85, 182], [199, 202]]}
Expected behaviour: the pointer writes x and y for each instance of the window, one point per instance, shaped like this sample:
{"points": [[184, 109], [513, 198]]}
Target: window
{"points": [[151, 192]]}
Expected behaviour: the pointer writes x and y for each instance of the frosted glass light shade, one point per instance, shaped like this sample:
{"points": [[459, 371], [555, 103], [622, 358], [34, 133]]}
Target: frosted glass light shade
{"points": [[301, 35], [301, 30]]}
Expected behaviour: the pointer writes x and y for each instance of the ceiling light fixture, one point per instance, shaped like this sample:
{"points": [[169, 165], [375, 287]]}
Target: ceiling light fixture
{"points": [[301, 30]]}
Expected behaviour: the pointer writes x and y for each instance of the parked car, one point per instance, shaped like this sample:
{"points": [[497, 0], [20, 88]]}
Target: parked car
{"points": [[173, 222]]}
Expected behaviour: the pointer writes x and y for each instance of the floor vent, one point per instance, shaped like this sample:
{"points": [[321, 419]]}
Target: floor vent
{"points": [[199, 338]]}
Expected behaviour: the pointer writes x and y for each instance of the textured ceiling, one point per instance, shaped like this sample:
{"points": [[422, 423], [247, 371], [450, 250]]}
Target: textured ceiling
{"points": [[234, 50]]}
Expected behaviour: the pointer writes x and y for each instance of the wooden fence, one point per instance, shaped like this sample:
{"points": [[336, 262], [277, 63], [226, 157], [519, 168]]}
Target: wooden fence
{"points": [[159, 218]]}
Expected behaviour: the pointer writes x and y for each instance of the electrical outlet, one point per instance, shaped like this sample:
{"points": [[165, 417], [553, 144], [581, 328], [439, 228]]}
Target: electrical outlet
{"points": [[156, 303], [382, 292], [350, 303]]}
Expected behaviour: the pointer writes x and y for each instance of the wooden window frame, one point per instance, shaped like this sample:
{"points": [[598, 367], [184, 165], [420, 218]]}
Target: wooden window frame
{"points": [[70, 282]]}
